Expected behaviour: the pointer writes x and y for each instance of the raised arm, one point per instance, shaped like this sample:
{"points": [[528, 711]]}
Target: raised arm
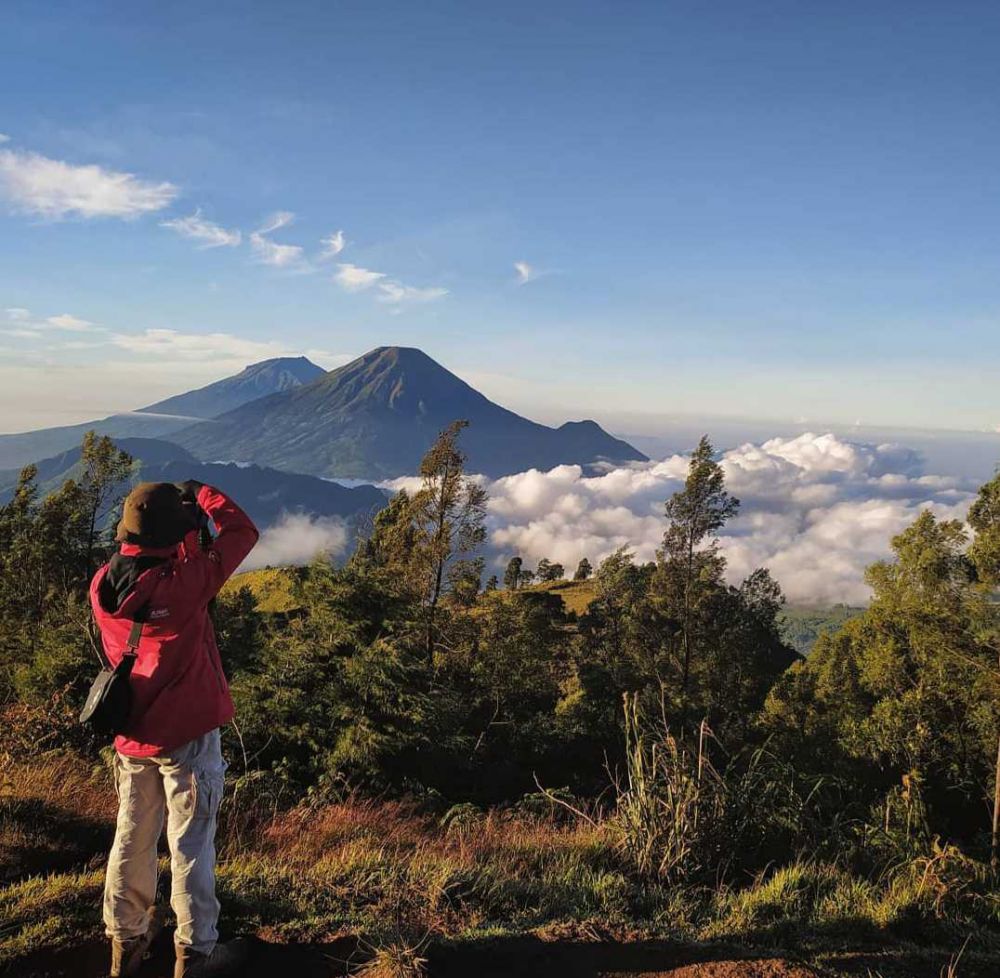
{"points": [[205, 571]]}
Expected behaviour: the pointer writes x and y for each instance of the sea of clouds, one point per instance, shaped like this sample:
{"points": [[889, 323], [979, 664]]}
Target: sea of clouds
{"points": [[296, 539], [817, 509]]}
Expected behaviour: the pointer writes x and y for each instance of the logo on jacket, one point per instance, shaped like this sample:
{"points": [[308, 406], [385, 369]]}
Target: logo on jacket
{"points": [[155, 613]]}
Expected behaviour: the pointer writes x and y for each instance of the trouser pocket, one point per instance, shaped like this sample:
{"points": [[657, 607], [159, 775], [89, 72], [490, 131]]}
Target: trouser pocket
{"points": [[208, 794]]}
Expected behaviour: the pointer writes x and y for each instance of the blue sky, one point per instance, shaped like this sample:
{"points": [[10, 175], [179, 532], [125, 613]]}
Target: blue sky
{"points": [[760, 210]]}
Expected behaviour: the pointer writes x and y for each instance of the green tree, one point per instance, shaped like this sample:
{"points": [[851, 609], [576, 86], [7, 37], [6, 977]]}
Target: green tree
{"points": [[548, 571], [449, 515], [984, 518], [907, 693], [512, 575], [50, 548], [689, 565], [583, 570]]}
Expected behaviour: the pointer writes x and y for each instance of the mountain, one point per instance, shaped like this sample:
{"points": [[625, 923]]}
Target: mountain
{"points": [[375, 417], [256, 381], [54, 471], [164, 417], [264, 493]]}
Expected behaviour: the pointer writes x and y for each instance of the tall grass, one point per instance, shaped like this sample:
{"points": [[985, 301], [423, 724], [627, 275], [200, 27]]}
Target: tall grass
{"points": [[679, 819], [391, 874]]}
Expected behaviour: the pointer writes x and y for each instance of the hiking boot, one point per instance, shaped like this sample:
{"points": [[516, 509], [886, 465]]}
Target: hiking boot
{"points": [[127, 956], [224, 961]]}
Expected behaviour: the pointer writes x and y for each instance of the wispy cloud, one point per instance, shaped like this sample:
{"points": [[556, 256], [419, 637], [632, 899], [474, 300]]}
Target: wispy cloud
{"points": [[525, 272], [54, 189], [333, 245], [28, 326], [209, 234], [354, 278], [278, 220], [4, 138], [395, 293], [70, 323], [169, 344], [269, 252]]}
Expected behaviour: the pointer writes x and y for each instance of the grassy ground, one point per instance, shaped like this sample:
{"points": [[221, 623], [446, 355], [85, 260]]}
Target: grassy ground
{"points": [[397, 886], [272, 588], [576, 595]]}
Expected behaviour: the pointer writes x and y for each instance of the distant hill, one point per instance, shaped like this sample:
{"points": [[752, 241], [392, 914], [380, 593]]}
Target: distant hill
{"points": [[264, 493], [375, 418], [164, 417], [802, 625], [54, 471], [273, 588]]}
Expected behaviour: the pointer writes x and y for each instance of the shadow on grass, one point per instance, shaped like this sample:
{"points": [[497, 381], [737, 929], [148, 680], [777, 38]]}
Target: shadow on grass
{"points": [[37, 837], [530, 957]]}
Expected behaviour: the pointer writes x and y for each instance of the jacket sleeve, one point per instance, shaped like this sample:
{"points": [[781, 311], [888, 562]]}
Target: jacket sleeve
{"points": [[203, 572]]}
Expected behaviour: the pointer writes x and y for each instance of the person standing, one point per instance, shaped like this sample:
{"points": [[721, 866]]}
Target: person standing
{"points": [[168, 757]]}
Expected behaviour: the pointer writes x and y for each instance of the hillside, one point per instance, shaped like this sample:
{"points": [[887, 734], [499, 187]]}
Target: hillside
{"points": [[263, 492], [803, 624], [576, 595], [163, 417], [271, 587], [375, 418]]}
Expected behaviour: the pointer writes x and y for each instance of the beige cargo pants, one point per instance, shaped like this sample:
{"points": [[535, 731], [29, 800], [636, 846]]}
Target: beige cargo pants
{"points": [[187, 784]]}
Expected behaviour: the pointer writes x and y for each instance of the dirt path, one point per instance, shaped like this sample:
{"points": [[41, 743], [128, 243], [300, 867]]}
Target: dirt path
{"points": [[518, 958]]}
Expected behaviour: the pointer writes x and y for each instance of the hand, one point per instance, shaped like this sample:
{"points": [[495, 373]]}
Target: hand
{"points": [[189, 501], [189, 490]]}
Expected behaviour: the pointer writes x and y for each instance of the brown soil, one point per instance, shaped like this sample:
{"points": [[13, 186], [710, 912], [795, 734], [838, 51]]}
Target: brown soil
{"points": [[520, 958]]}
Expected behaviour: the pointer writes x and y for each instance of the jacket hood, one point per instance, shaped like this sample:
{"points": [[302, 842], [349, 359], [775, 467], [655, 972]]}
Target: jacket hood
{"points": [[137, 597]]}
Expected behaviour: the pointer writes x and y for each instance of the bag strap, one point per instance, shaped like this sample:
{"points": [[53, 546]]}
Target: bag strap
{"points": [[134, 638]]}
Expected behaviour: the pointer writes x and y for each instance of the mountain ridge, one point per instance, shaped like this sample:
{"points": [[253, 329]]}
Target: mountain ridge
{"points": [[265, 493], [376, 416], [164, 417]]}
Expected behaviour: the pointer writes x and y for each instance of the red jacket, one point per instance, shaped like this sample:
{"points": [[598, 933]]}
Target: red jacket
{"points": [[179, 690]]}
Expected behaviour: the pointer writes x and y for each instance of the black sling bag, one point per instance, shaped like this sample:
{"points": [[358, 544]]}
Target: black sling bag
{"points": [[109, 702]]}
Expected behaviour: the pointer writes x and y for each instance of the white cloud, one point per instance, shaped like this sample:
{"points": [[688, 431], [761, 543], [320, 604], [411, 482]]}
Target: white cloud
{"points": [[54, 189], [278, 220], [815, 509], [328, 360], [332, 245], [271, 253], [171, 345], [72, 324], [353, 278], [210, 235], [395, 293], [30, 326], [4, 138], [525, 273], [296, 539]]}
